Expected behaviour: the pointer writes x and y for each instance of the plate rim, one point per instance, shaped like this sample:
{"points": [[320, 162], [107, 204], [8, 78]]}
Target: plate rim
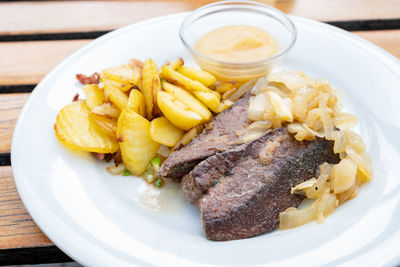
{"points": [[39, 215]]}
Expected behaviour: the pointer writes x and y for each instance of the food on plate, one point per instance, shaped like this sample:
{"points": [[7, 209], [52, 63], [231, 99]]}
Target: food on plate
{"points": [[246, 154], [164, 132], [137, 146], [187, 137], [136, 102], [222, 136], [237, 203], [127, 76], [150, 87], [236, 52], [215, 167], [94, 95], [106, 125], [226, 86], [129, 100], [114, 93], [198, 75], [75, 130], [188, 100], [238, 43], [178, 113], [209, 97], [92, 79], [106, 110]]}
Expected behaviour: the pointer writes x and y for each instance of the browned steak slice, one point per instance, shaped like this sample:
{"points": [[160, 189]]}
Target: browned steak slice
{"points": [[210, 171], [222, 136], [246, 200]]}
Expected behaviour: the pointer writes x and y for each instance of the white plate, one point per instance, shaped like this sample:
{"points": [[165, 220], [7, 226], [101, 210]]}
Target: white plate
{"points": [[98, 219]]}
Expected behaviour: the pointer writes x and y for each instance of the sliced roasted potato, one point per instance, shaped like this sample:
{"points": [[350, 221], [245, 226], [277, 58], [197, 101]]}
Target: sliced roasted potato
{"points": [[198, 75], [137, 146], [209, 97], [164, 132], [94, 95], [188, 99], [136, 102], [75, 130], [226, 86], [176, 63], [210, 100], [105, 124], [177, 113], [188, 136], [107, 110], [114, 94], [149, 74], [156, 88], [126, 75], [136, 63]]}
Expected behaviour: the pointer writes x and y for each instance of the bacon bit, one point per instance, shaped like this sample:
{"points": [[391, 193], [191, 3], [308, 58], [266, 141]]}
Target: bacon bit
{"points": [[99, 156], [75, 98], [136, 63], [118, 158], [123, 85], [120, 138], [108, 157], [92, 79]]}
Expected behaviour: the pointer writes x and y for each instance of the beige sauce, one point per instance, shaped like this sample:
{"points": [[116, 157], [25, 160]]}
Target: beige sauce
{"points": [[238, 43]]}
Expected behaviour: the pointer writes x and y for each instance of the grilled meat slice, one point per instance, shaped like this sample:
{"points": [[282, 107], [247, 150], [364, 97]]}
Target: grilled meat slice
{"points": [[254, 185], [221, 137]]}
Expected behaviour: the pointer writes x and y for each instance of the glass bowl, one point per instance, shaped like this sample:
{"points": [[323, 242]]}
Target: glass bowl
{"points": [[225, 13]]}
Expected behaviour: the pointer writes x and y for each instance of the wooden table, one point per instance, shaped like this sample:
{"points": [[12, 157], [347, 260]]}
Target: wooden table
{"points": [[36, 35]]}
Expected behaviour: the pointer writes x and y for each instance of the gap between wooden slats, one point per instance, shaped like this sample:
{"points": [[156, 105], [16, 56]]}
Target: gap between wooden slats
{"points": [[84, 16]]}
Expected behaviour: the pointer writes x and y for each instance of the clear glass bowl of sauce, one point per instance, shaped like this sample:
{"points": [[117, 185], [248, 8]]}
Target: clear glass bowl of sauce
{"points": [[238, 40]]}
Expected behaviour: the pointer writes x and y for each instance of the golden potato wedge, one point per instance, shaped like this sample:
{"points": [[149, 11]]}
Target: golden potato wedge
{"points": [[176, 63], [137, 146], [195, 74], [226, 86], [156, 88], [136, 102], [210, 100], [164, 132], [107, 110], [75, 130], [114, 94], [126, 75], [149, 74], [177, 112], [94, 95], [228, 94], [187, 99], [188, 136], [105, 124], [187, 83], [206, 95], [136, 63]]}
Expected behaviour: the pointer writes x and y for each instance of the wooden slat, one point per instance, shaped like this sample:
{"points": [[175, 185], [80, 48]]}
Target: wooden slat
{"points": [[29, 62], [388, 40], [17, 229], [78, 16], [10, 107]]}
